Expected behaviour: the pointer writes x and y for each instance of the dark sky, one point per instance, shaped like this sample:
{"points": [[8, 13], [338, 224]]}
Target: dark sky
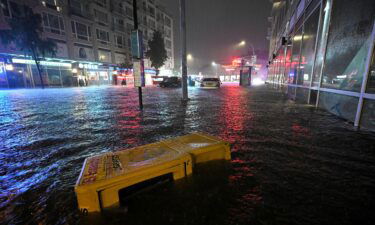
{"points": [[215, 26]]}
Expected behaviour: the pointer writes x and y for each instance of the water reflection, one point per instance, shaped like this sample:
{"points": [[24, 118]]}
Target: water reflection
{"points": [[47, 134]]}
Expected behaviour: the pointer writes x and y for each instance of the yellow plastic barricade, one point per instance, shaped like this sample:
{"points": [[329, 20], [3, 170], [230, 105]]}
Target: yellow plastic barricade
{"points": [[103, 176]]}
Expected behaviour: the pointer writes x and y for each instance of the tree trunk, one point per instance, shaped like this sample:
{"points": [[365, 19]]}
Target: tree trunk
{"points": [[37, 67]]}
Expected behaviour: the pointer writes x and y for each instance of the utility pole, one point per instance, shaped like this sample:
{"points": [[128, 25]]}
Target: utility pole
{"points": [[183, 51], [135, 15]]}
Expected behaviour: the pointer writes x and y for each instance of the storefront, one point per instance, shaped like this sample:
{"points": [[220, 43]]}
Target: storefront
{"points": [[123, 77], [86, 74], [325, 57]]}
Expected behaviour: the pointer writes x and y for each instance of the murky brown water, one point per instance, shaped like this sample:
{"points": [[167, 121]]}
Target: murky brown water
{"points": [[291, 164]]}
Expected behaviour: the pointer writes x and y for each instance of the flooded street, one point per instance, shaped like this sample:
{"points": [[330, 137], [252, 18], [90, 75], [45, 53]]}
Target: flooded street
{"points": [[291, 164]]}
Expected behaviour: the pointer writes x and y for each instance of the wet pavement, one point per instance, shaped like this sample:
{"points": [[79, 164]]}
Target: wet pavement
{"points": [[291, 164]]}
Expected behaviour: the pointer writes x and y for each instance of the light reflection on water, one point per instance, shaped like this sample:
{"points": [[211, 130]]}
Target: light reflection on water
{"points": [[291, 164]]}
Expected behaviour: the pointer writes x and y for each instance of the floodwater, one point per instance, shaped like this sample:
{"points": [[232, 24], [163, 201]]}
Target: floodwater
{"points": [[291, 164]]}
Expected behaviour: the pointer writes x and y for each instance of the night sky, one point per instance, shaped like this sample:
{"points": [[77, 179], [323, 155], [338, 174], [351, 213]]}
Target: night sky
{"points": [[215, 26]]}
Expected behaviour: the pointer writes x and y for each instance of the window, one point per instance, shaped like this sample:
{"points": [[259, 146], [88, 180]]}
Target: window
{"points": [[168, 33], [288, 58], [151, 10], [101, 2], [144, 6], [102, 36], [158, 16], [76, 7], [308, 47], [53, 24], [119, 41], [81, 31], [145, 20], [296, 40], [168, 44], [5, 8], [348, 44], [368, 114], [152, 24], [168, 21], [105, 56], [371, 75], [119, 24], [129, 12], [101, 17], [15, 9], [129, 28], [52, 4]]}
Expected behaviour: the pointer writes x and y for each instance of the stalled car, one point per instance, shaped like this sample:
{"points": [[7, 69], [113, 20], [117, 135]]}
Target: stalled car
{"points": [[172, 82], [210, 82]]}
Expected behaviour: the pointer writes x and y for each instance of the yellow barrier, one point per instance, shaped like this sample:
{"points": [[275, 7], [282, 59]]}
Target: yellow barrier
{"points": [[103, 176]]}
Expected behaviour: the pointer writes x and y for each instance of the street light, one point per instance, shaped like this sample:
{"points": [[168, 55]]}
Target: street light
{"points": [[189, 57], [242, 43], [214, 64]]}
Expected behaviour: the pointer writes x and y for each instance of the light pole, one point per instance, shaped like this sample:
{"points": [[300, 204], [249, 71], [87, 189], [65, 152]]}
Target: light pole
{"points": [[183, 51], [253, 61], [243, 43], [214, 64]]}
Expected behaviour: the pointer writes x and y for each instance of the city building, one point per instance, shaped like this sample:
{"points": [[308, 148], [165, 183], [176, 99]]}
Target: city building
{"points": [[322, 53], [93, 40]]}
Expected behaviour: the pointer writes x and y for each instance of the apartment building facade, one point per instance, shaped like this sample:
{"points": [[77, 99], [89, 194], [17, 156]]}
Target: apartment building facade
{"points": [[93, 40], [322, 53]]}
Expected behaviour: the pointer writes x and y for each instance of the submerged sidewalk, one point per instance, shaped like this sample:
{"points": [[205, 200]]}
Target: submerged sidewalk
{"points": [[291, 164]]}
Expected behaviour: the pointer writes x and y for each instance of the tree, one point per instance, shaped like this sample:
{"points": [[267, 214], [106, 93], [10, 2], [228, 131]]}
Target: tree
{"points": [[26, 33], [157, 53]]}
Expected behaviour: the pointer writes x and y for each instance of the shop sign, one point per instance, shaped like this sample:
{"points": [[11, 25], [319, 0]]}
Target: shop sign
{"points": [[2, 68], [88, 66], [139, 75], [2, 72], [136, 44], [43, 63]]}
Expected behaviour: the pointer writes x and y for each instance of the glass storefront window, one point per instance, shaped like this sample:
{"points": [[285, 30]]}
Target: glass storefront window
{"points": [[348, 43], [54, 77], [371, 76], [368, 114], [341, 105], [321, 48], [308, 48], [288, 58], [296, 49]]}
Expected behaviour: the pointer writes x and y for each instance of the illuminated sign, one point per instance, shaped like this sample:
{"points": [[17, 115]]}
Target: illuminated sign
{"points": [[2, 68], [9, 67], [139, 75], [237, 62], [44, 63], [150, 71], [88, 66]]}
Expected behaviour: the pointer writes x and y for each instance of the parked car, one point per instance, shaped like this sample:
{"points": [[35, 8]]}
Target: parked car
{"points": [[210, 82], [173, 82]]}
